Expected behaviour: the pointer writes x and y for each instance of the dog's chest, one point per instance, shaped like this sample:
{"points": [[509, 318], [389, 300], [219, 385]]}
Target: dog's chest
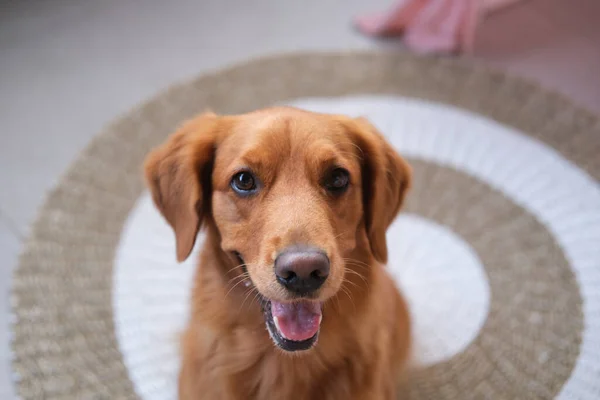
{"points": [[285, 377]]}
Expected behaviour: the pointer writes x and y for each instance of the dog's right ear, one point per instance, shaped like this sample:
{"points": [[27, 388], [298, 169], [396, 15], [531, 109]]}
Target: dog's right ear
{"points": [[178, 174]]}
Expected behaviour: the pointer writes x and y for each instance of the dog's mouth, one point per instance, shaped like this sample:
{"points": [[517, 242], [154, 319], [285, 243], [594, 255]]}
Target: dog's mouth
{"points": [[293, 326]]}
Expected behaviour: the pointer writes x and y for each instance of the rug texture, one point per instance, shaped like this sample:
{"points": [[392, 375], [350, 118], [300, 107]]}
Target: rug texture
{"points": [[497, 250]]}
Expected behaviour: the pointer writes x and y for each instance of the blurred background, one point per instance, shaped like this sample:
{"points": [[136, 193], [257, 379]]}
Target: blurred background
{"points": [[69, 67]]}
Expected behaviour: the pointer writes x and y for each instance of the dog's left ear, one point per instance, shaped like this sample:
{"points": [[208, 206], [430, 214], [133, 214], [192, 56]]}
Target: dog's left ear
{"points": [[386, 177], [178, 174]]}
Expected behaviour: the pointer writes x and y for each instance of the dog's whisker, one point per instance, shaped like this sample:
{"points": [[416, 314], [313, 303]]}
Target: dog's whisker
{"points": [[340, 234], [348, 270], [351, 271], [343, 289], [351, 264], [244, 274], [237, 267], [361, 269], [352, 283], [252, 289], [356, 263], [360, 157], [354, 260], [234, 286], [256, 297], [235, 278], [338, 304], [359, 149], [247, 293], [234, 269]]}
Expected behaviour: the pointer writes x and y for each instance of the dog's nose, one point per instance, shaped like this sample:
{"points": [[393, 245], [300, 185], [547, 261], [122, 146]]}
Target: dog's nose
{"points": [[302, 271]]}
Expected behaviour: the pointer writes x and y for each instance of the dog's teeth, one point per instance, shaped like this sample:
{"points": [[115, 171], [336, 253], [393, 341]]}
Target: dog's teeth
{"points": [[320, 319], [247, 283]]}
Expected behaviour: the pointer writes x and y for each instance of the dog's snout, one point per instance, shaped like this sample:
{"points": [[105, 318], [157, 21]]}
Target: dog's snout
{"points": [[302, 271]]}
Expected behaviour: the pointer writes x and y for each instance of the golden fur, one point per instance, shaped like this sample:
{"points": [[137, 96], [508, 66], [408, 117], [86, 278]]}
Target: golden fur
{"points": [[364, 336]]}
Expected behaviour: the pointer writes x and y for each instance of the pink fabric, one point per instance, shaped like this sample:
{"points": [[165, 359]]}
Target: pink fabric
{"points": [[428, 26]]}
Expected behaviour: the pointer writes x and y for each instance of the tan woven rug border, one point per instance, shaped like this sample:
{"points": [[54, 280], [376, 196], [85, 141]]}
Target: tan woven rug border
{"points": [[72, 243], [530, 340]]}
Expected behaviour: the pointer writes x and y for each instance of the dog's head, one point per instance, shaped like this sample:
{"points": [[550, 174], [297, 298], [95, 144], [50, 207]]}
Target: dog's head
{"points": [[292, 195]]}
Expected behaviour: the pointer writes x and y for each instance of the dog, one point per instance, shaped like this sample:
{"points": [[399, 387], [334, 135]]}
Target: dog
{"points": [[291, 299]]}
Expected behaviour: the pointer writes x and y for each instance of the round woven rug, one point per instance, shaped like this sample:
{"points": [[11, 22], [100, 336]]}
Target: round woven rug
{"points": [[497, 250]]}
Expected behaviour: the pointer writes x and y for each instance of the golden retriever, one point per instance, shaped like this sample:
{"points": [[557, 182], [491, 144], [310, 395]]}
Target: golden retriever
{"points": [[291, 299]]}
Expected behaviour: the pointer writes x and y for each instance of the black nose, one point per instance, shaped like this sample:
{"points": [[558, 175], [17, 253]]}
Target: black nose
{"points": [[302, 271]]}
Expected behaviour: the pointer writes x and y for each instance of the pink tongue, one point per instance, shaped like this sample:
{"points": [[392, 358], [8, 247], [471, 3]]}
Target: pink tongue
{"points": [[297, 321]]}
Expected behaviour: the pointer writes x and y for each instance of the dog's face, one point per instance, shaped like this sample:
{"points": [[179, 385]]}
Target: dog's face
{"points": [[291, 194]]}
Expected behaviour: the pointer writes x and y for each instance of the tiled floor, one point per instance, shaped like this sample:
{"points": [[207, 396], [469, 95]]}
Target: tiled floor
{"points": [[68, 67]]}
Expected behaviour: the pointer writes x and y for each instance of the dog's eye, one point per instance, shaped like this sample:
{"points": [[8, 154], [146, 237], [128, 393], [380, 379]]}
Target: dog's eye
{"points": [[337, 181], [243, 182]]}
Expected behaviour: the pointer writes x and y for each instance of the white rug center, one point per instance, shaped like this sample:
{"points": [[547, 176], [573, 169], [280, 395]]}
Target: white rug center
{"points": [[444, 283]]}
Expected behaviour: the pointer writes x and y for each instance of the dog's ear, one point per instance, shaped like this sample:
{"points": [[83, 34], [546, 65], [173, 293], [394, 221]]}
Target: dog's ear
{"points": [[386, 179], [178, 174]]}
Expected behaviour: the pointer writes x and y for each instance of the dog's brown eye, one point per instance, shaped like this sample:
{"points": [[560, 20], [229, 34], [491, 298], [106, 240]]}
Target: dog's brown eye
{"points": [[337, 181], [243, 183]]}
